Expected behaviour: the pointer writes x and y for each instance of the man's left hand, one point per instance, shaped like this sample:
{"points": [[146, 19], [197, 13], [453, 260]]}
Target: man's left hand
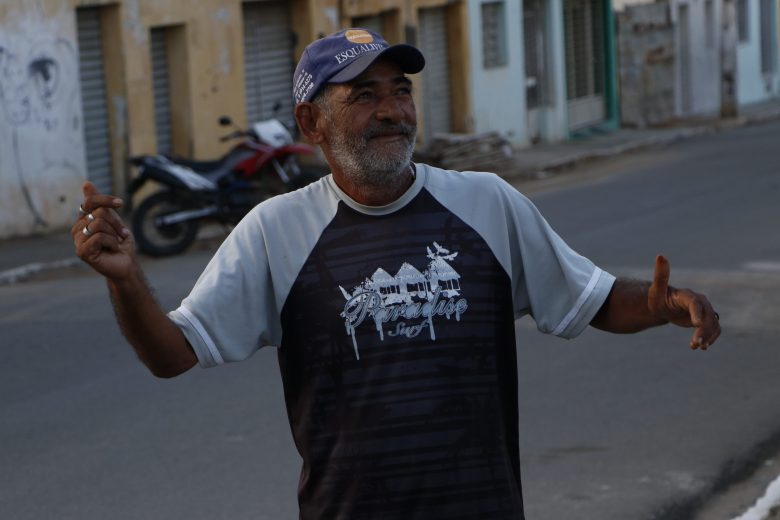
{"points": [[682, 307]]}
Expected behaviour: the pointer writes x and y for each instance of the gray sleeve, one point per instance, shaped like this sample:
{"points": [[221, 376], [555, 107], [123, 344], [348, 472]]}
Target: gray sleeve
{"points": [[230, 312], [561, 289], [235, 307]]}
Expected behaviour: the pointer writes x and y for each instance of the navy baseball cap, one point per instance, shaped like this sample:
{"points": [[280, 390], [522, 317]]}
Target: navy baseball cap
{"points": [[343, 56]]}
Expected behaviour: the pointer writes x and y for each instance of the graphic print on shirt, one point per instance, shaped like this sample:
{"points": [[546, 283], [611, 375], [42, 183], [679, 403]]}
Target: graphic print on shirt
{"points": [[414, 295]]}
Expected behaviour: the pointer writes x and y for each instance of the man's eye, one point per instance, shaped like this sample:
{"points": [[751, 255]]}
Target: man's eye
{"points": [[404, 91], [366, 94]]}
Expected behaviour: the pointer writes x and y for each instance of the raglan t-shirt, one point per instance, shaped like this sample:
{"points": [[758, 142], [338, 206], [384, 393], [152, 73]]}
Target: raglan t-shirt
{"points": [[395, 335]]}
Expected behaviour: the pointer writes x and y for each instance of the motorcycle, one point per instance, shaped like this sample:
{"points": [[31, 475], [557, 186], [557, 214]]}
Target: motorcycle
{"points": [[262, 164]]}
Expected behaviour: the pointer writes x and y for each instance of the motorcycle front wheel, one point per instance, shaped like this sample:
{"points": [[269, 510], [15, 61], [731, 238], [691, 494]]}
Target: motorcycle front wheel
{"points": [[155, 239]]}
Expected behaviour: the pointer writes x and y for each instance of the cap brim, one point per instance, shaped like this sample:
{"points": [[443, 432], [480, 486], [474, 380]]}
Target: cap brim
{"points": [[409, 58]]}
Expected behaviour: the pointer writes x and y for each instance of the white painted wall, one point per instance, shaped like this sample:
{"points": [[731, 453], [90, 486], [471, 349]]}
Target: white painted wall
{"points": [[498, 94], [752, 85], [705, 60], [42, 164]]}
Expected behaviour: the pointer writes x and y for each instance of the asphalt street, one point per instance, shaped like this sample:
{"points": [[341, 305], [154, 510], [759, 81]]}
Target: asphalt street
{"points": [[639, 426], [612, 427]]}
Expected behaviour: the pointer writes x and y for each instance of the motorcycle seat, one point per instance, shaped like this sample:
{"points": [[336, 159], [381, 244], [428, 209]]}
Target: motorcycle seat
{"points": [[215, 170], [199, 166]]}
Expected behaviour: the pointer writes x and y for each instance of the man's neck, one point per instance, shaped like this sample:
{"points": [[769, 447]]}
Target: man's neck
{"points": [[369, 195]]}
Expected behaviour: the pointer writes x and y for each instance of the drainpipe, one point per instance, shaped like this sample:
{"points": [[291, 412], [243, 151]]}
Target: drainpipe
{"points": [[728, 60]]}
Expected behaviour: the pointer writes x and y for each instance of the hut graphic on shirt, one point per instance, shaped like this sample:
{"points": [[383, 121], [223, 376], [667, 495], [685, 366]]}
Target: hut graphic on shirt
{"points": [[411, 282], [410, 294]]}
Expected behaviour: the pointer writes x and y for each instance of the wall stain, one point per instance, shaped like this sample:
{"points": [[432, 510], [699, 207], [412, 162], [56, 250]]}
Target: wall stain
{"points": [[37, 91]]}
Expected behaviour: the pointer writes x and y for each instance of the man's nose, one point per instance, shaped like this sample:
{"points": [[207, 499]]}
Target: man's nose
{"points": [[389, 109]]}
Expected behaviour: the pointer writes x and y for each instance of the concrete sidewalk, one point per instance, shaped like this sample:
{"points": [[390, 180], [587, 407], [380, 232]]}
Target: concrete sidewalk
{"points": [[22, 258], [544, 159]]}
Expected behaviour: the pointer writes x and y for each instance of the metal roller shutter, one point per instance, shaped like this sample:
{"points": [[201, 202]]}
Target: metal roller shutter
{"points": [[162, 90], [268, 61], [436, 74], [93, 99]]}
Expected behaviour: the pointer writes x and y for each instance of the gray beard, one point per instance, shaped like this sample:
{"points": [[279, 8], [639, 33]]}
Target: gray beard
{"points": [[372, 166]]}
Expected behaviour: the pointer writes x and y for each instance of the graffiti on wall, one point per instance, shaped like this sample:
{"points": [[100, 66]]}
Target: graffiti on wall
{"points": [[40, 109]]}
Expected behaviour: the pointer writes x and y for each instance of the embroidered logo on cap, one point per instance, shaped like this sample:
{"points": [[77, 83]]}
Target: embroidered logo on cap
{"points": [[358, 36]]}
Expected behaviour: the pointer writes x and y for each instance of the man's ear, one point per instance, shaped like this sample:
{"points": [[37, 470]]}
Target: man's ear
{"points": [[308, 116]]}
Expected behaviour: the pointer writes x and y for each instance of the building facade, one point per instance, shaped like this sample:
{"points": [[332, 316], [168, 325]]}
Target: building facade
{"points": [[86, 84], [757, 50], [542, 70], [723, 53], [116, 78]]}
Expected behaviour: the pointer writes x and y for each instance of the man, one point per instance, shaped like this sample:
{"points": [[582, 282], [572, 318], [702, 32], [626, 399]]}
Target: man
{"points": [[391, 290]]}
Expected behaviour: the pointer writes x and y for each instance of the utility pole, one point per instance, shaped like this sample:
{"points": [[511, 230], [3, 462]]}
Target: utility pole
{"points": [[728, 60]]}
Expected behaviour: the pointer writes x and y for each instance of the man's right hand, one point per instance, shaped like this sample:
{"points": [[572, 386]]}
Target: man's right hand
{"points": [[100, 236], [103, 242]]}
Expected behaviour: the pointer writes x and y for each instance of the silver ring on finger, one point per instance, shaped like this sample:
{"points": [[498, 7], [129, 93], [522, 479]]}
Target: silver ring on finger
{"points": [[82, 211], [90, 217], [86, 232]]}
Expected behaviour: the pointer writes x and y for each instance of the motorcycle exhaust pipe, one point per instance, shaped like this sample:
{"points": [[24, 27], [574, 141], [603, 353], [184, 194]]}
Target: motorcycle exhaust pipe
{"points": [[181, 216]]}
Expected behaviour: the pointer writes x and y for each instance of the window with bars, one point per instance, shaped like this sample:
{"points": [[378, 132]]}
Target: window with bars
{"points": [[585, 48], [494, 46], [161, 89]]}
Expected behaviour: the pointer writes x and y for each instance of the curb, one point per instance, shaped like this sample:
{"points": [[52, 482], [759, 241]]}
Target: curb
{"points": [[23, 273], [542, 171], [737, 470], [27, 271]]}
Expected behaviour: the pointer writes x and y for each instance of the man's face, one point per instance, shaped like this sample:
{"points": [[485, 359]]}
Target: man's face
{"points": [[371, 125]]}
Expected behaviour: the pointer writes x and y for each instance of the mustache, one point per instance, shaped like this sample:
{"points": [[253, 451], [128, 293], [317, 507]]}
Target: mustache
{"points": [[381, 129]]}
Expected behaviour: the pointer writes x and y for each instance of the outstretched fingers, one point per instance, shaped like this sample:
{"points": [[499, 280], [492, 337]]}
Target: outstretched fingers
{"points": [[706, 321], [682, 307]]}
